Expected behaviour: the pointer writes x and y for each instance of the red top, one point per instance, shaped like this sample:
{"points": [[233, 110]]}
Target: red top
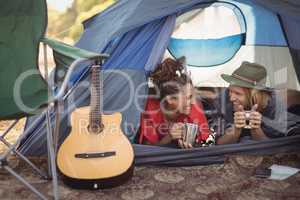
{"points": [[154, 126]]}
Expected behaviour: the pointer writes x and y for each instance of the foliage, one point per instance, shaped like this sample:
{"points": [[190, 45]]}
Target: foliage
{"points": [[67, 26]]}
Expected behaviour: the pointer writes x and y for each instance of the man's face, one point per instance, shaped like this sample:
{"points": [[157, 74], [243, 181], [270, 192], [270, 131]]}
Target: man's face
{"points": [[237, 96]]}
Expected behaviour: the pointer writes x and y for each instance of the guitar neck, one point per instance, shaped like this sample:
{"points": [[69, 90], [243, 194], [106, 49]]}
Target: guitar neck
{"points": [[95, 118]]}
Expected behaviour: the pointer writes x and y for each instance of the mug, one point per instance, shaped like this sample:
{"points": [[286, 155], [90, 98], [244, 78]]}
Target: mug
{"points": [[247, 116], [190, 133]]}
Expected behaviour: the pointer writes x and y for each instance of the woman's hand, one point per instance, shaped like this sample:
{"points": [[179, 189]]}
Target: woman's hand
{"points": [[239, 118], [176, 131], [184, 145]]}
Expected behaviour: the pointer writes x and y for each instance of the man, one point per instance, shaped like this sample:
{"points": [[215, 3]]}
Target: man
{"points": [[252, 111]]}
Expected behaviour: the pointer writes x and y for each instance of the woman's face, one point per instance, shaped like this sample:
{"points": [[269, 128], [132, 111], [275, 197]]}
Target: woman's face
{"points": [[182, 101], [237, 96]]}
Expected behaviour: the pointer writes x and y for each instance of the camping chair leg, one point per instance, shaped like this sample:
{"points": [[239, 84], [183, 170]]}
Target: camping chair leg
{"points": [[21, 179], [9, 128], [51, 156], [50, 137], [12, 148], [58, 105]]}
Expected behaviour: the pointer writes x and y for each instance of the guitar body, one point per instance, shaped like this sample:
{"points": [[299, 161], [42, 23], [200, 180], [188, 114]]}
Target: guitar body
{"points": [[76, 158]]}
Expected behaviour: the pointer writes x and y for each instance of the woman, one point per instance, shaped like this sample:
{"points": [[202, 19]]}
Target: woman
{"points": [[162, 123], [252, 111]]}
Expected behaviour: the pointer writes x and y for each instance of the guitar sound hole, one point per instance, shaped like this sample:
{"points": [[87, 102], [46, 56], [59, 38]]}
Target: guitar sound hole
{"points": [[96, 128]]}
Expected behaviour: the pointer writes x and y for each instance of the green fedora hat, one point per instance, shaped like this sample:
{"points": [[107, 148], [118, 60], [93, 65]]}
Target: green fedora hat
{"points": [[249, 75]]}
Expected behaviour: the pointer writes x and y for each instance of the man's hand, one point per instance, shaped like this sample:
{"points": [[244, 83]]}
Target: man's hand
{"points": [[232, 135], [239, 118], [255, 118]]}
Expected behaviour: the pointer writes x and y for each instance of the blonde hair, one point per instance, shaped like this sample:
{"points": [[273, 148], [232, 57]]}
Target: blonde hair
{"points": [[259, 97]]}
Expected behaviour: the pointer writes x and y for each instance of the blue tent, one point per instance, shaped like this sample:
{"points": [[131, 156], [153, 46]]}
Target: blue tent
{"points": [[138, 34]]}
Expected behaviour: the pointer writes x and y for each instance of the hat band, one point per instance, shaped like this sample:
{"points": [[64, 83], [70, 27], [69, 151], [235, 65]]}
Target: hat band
{"points": [[244, 79]]}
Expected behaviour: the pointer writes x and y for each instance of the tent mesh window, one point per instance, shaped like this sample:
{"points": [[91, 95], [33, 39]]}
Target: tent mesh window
{"points": [[207, 36]]}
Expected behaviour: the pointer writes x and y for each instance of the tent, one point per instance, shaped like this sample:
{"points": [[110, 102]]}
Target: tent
{"points": [[139, 34]]}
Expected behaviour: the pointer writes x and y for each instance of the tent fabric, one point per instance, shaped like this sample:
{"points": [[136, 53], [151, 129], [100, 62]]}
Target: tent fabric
{"points": [[289, 13], [292, 30], [259, 22], [216, 10], [146, 154], [296, 59], [131, 55], [123, 17], [161, 44], [135, 33], [117, 21], [286, 8]]}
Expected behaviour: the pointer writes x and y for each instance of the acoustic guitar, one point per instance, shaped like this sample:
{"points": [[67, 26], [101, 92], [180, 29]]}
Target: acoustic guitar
{"points": [[96, 154]]}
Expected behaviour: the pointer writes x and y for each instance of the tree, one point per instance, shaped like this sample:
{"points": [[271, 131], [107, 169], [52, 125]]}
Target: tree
{"points": [[68, 25]]}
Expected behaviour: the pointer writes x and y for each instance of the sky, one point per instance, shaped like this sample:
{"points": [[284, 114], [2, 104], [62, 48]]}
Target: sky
{"points": [[60, 5]]}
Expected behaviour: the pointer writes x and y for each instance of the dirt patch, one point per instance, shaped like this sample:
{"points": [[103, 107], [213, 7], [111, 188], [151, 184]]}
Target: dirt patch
{"points": [[232, 180], [13, 133]]}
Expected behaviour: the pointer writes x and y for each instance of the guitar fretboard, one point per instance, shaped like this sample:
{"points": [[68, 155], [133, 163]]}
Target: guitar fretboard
{"points": [[95, 119]]}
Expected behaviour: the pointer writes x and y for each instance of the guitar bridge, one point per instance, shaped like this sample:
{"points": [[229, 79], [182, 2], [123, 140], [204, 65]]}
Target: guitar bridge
{"points": [[95, 155]]}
